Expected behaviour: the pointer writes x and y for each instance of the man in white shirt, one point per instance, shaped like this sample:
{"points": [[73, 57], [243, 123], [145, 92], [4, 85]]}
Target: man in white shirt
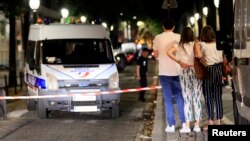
{"points": [[169, 72]]}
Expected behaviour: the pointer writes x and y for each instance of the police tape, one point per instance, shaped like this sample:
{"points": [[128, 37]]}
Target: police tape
{"points": [[81, 94]]}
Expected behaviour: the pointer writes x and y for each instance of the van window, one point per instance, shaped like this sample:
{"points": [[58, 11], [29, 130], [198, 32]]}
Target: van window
{"points": [[30, 58], [77, 51], [33, 55]]}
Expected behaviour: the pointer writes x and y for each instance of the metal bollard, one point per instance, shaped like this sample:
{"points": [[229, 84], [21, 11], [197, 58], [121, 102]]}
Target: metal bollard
{"points": [[6, 85], [3, 110], [21, 79]]}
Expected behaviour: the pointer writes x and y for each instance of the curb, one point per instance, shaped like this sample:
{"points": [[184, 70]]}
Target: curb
{"points": [[159, 124]]}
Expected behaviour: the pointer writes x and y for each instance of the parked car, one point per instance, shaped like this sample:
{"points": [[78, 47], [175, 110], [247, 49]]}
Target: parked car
{"points": [[125, 54]]}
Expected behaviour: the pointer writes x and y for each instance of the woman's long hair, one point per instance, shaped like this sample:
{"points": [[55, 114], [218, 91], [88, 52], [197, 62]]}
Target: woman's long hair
{"points": [[187, 36], [207, 34]]}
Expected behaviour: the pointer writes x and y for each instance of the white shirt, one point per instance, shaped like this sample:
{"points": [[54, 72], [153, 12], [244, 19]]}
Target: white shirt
{"points": [[162, 42], [211, 54], [186, 53]]}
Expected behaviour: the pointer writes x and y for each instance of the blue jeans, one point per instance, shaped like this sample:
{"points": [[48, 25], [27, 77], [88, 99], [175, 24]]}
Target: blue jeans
{"points": [[171, 87]]}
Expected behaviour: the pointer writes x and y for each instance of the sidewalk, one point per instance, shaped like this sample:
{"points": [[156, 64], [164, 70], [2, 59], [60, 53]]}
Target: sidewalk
{"points": [[12, 103], [18, 91], [9, 122], [159, 134]]}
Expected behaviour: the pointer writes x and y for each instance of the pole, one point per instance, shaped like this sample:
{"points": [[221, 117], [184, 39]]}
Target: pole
{"points": [[2, 103], [168, 5], [217, 20]]}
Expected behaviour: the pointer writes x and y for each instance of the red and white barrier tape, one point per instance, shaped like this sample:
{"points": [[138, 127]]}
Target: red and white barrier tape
{"points": [[87, 93]]}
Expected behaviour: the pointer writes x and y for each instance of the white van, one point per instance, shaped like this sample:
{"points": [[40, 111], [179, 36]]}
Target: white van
{"points": [[72, 59], [241, 62]]}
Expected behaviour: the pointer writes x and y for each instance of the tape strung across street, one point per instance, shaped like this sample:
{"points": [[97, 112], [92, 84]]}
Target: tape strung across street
{"points": [[85, 93]]}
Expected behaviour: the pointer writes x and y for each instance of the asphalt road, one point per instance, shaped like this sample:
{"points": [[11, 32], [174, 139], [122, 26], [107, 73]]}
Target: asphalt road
{"points": [[23, 125]]}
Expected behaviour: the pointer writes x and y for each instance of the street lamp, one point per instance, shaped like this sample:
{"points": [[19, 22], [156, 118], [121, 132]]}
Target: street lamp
{"points": [[83, 19], [204, 17], [205, 11], [196, 25], [65, 14], [192, 20], [105, 25], [34, 5], [197, 16], [140, 24], [217, 3]]}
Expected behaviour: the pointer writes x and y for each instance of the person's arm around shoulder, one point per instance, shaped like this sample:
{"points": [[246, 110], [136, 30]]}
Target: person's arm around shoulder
{"points": [[197, 49]]}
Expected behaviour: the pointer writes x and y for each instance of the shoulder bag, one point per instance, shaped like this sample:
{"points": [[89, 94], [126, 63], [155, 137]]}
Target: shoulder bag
{"points": [[200, 69]]}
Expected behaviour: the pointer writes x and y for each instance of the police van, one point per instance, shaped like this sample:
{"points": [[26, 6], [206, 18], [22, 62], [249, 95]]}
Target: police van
{"points": [[241, 65], [75, 61]]}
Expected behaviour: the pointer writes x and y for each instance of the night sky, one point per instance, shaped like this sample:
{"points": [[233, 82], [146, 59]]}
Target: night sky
{"points": [[110, 10]]}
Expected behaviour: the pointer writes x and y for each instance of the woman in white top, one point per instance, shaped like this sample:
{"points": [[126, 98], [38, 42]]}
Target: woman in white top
{"points": [[212, 87], [183, 53]]}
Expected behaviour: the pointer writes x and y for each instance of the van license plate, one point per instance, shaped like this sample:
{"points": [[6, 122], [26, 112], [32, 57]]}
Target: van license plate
{"points": [[84, 98], [85, 109]]}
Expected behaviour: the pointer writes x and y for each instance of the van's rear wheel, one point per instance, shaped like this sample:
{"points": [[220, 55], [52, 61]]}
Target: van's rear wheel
{"points": [[42, 110]]}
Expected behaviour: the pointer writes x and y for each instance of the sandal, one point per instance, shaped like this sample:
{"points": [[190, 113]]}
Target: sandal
{"points": [[205, 128]]}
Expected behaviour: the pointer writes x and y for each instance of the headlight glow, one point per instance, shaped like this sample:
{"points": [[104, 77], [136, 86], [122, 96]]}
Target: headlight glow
{"points": [[114, 81], [52, 82]]}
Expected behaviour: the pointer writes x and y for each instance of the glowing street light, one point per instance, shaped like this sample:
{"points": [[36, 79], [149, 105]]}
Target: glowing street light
{"points": [[192, 20], [83, 19], [34, 5], [204, 16], [140, 24], [216, 4], [197, 16], [205, 11], [65, 14], [111, 27], [105, 25], [196, 25]]}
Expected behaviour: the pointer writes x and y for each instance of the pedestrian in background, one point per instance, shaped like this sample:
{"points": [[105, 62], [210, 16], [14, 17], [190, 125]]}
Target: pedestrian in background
{"points": [[183, 53], [141, 72], [212, 87], [169, 75]]}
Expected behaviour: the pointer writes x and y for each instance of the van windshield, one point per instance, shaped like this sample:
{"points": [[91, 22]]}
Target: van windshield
{"points": [[77, 51]]}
